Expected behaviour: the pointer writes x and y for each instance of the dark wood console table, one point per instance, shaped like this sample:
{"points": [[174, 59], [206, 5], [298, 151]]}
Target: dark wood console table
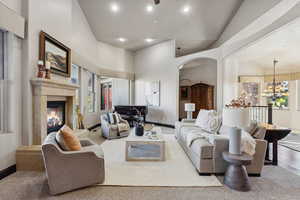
{"points": [[273, 134]]}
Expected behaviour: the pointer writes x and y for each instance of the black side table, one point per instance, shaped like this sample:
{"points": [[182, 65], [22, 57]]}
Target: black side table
{"points": [[236, 176], [273, 135]]}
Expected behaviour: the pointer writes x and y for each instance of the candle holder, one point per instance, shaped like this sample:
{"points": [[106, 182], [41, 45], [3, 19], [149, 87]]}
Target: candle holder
{"points": [[48, 74], [48, 67], [41, 69]]}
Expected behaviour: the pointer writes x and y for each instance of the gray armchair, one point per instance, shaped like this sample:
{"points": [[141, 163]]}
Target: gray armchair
{"points": [[111, 131], [69, 170]]}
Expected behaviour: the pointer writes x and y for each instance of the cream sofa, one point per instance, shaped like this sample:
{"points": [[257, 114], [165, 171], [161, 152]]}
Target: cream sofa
{"points": [[206, 153]]}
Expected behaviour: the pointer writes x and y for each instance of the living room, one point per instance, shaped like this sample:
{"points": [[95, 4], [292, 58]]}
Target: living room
{"points": [[67, 65]]}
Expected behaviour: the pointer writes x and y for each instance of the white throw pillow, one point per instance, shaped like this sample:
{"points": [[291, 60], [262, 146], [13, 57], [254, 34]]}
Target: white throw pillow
{"points": [[118, 118], [208, 120]]}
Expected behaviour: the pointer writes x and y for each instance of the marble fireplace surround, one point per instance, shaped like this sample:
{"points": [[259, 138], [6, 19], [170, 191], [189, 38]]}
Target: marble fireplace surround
{"points": [[45, 90]]}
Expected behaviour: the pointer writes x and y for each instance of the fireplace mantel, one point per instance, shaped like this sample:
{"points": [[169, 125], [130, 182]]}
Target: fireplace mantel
{"points": [[43, 91], [53, 87]]}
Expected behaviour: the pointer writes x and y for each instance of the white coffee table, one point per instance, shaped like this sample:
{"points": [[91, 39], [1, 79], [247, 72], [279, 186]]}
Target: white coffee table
{"points": [[143, 148]]}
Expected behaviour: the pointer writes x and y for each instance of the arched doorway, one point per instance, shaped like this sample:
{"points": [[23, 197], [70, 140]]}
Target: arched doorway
{"points": [[198, 85]]}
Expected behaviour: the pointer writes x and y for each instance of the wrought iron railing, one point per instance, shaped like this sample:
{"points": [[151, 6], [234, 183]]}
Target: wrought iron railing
{"points": [[262, 114]]}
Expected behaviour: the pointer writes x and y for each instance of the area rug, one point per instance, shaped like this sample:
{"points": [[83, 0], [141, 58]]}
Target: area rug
{"points": [[176, 171], [292, 141]]}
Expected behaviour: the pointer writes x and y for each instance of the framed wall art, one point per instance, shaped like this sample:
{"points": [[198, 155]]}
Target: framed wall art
{"points": [[56, 53]]}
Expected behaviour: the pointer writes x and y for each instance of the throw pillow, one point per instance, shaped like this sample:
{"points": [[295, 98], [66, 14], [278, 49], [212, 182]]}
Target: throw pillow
{"points": [[67, 139], [202, 118], [259, 133], [112, 118], [252, 128], [118, 118], [208, 120]]}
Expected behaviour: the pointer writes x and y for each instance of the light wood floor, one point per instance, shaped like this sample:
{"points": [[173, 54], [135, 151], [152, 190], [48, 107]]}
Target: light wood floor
{"points": [[289, 159]]}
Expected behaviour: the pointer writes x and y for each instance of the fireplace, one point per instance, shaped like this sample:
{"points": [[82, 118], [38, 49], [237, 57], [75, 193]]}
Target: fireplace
{"points": [[56, 115]]}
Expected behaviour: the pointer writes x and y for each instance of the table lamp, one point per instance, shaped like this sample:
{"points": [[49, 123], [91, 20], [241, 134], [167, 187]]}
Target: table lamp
{"points": [[236, 119], [189, 108]]}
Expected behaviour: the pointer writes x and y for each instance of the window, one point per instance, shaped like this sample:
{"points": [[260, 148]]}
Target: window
{"points": [[75, 74], [3, 90], [91, 100], [281, 94], [1, 55], [106, 96], [75, 79]]}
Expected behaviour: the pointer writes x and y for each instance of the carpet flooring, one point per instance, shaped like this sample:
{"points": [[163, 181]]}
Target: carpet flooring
{"points": [[276, 183], [176, 170]]}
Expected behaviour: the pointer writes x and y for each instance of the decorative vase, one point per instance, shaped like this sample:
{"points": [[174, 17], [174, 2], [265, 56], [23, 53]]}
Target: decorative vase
{"points": [[235, 135], [139, 130]]}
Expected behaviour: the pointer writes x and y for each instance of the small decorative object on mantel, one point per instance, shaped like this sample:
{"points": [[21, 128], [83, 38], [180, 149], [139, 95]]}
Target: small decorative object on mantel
{"points": [[239, 103], [58, 54], [48, 67], [41, 69]]}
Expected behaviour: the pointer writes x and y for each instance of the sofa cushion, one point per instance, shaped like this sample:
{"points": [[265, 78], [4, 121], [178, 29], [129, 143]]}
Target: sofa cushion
{"points": [[67, 140], [189, 129], [202, 148], [94, 148], [208, 120]]}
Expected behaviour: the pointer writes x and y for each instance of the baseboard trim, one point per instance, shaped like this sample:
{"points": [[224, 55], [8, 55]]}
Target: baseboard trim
{"points": [[8, 171], [160, 124], [95, 126]]}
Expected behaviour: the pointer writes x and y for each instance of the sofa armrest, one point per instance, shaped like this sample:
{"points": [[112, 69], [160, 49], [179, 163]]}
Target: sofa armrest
{"points": [[258, 158], [221, 144]]}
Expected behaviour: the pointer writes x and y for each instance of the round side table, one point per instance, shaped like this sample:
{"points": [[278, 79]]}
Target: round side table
{"points": [[236, 176]]}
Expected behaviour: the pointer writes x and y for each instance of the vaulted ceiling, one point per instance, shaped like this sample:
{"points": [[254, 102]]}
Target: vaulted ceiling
{"points": [[194, 24], [282, 45]]}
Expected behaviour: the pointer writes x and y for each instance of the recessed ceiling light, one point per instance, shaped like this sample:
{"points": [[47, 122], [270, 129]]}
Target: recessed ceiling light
{"points": [[149, 40], [149, 8], [186, 9], [121, 39], [114, 7]]}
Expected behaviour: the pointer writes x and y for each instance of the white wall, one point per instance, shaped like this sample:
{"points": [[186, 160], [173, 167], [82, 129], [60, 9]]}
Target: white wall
{"points": [[65, 21], [153, 64], [101, 54], [120, 91], [15, 5]]}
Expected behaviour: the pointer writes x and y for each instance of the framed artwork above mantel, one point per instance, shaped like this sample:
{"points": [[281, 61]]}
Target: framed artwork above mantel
{"points": [[55, 52]]}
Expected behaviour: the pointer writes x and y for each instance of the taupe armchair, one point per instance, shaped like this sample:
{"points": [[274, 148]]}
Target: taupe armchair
{"points": [[69, 170], [111, 131]]}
